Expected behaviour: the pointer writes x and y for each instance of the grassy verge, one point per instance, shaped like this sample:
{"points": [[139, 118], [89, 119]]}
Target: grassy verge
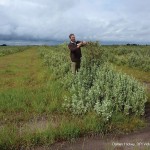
{"points": [[6, 50]]}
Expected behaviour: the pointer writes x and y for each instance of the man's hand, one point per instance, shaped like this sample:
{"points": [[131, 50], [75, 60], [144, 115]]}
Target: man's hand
{"points": [[79, 45], [82, 44]]}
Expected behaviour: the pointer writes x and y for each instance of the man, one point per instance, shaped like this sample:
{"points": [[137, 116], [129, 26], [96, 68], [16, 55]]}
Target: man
{"points": [[75, 53]]}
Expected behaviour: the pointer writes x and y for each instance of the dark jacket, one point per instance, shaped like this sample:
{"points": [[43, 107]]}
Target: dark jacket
{"points": [[75, 53]]}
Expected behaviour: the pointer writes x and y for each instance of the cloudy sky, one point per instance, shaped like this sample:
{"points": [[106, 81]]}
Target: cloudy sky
{"points": [[104, 20]]}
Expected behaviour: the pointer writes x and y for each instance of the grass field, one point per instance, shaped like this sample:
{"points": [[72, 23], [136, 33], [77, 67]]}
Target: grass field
{"points": [[32, 95]]}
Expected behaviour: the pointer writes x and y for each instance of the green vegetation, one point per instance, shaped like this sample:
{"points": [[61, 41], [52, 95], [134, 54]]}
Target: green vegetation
{"points": [[6, 50], [131, 56], [41, 102]]}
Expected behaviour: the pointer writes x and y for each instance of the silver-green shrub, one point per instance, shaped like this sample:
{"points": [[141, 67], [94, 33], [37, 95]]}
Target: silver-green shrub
{"points": [[105, 91], [97, 86]]}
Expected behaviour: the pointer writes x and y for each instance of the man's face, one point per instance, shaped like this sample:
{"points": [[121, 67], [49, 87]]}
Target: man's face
{"points": [[73, 38]]}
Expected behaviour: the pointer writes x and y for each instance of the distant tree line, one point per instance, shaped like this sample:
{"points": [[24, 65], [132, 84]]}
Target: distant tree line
{"points": [[3, 45], [134, 44]]}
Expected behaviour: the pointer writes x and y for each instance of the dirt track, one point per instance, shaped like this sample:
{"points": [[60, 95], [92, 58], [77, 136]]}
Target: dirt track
{"points": [[137, 140]]}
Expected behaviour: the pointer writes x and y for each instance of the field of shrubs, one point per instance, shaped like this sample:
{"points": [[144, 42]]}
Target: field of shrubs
{"points": [[131, 56], [97, 86], [42, 102]]}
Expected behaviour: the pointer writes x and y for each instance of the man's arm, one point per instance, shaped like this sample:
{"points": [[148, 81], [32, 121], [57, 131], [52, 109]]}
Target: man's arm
{"points": [[83, 43], [73, 48]]}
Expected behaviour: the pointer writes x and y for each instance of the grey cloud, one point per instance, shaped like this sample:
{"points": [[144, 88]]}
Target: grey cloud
{"points": [[126, 20]]}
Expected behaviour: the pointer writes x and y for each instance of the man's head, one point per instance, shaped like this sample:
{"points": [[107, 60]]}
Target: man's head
{"points": [[72, 37]]}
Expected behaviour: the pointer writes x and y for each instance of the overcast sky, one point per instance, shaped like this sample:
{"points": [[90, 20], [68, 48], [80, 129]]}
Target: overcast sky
{"points": [[106, 20]]}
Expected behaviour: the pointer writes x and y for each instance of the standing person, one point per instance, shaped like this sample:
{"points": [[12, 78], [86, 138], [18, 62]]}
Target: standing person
{"points": [[75, 53]]}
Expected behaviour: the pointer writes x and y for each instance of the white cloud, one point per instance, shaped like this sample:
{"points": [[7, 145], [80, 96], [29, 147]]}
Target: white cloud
{"points": [[126, 20]]}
